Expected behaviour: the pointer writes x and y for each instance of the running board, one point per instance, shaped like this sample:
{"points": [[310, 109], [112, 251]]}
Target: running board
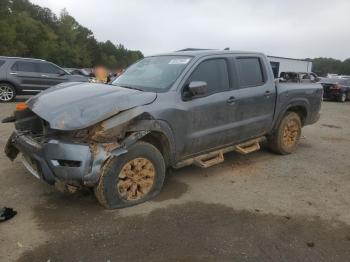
{"points": [[216, 157], [205, 161], [247, 148]]}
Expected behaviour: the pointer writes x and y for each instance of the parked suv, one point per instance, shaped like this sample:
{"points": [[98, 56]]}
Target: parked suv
{"points": [[27, 76], [164, 111]]}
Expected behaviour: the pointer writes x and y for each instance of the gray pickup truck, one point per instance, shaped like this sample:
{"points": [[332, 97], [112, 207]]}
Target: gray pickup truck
{"points": [[168, 110]]}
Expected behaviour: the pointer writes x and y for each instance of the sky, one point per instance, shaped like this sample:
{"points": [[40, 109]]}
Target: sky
{"points": [[297, 29]]}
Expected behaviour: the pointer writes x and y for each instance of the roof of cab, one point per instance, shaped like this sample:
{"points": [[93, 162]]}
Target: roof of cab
{"points": [[206, 52]]}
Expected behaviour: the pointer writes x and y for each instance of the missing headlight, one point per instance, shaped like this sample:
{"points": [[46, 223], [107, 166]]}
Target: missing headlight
{"points": [[66, 163]]}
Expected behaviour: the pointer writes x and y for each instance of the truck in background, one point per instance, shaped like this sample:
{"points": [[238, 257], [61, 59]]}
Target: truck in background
{"points": [[282, 65]]}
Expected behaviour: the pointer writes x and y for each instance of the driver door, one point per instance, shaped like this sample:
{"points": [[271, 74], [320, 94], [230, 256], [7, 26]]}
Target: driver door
{"points": [[210, 119]]}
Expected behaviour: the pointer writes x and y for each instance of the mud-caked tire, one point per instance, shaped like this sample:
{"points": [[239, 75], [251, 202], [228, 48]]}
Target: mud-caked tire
{"points": [[286, 137], [131, 178]]}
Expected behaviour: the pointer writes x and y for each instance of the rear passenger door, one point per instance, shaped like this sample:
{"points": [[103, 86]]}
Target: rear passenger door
{"points": [[210, 120], [52, 74], [27, 76], [257, 96]]}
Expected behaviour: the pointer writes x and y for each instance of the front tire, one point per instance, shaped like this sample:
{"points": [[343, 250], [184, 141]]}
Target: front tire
{"points": [[7, 92], [285, 139], [132, 178]]}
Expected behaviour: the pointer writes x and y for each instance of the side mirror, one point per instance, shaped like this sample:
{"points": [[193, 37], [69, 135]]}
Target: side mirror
{"points": [[197, 88], [62, 73]]}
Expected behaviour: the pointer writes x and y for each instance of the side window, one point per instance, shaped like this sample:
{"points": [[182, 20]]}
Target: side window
{"points": [[24, 66], [2, 62], [250, 72], [48, 68], [214, 73]]}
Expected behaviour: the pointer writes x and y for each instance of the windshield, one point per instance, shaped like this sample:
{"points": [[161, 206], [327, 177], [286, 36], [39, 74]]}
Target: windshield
{"points": [[156, 73]]}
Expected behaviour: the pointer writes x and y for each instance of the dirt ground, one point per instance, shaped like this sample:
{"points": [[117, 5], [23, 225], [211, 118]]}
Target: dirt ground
{"points": [[258, 207]]}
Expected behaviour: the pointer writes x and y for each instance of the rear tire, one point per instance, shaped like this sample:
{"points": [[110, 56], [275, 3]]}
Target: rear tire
{"points": [[132, 178], [285, 139], [342, 97], [7, 93]]}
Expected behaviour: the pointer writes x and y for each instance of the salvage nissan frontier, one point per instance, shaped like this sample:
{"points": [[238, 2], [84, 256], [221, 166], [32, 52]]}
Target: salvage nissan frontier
{"points": [[170, 110]]}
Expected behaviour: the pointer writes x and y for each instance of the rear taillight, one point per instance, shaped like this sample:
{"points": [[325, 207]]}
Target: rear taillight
{"points": [[336, 86]]}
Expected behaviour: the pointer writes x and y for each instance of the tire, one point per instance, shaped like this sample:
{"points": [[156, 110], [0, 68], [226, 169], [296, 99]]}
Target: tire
{"points": [[7, 93], [342, 97], [116, 187], [277, 141]]}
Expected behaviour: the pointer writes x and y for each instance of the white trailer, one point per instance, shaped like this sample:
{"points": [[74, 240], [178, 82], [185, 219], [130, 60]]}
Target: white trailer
{"points": [[283, 64]]}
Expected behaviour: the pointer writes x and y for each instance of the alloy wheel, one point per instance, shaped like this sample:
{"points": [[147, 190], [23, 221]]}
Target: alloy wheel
{"points": [[6, 93], [290, 133], [136, 179], [343, 97]]}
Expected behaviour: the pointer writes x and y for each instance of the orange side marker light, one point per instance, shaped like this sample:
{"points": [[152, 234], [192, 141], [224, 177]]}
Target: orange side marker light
{"points": [[21, 106]]}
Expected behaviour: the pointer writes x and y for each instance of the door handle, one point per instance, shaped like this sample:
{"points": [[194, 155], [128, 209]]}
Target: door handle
{"points": [[231, 100], [13, 73], [44, 75], [267, 93]]}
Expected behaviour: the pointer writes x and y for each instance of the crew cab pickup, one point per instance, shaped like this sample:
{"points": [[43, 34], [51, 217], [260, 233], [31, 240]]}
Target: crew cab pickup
{"points": [[169, 110]]}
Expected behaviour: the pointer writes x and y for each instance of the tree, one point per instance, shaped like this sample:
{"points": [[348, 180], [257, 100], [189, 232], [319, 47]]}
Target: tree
{"points": [[32, 31]]}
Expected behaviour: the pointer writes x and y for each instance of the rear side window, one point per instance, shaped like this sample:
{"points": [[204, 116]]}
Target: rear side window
{"points": [[48, 68], [2, 62], [24, 66], [250, 72], [214, 73]]}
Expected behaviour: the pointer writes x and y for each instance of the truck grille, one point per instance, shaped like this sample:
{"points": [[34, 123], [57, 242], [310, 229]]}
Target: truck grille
{"points": [[28, 121]]}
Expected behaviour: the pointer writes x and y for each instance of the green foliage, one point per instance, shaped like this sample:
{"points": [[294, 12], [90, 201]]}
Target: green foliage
{"points": [[322, 66], [32, 31]]}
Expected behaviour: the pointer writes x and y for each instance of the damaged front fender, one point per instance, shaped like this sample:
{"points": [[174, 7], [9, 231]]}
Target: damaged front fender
{"points": [[102, 153]]}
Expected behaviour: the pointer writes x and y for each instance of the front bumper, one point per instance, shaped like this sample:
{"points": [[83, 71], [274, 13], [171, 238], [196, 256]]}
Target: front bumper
{"points": [[54, 160]]}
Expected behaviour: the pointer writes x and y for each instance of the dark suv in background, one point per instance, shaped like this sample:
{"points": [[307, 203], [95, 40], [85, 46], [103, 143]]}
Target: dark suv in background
{"points": [[336, 88], [27, 76]]}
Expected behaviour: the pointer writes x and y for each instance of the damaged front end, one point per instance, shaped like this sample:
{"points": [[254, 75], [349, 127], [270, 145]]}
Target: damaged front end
{"points": [[70, 158]]}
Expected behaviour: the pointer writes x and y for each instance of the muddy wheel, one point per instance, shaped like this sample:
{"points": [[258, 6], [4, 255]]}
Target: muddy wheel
{"points": [[7, 92], [342, 97], [285, 139], [132, 178]]}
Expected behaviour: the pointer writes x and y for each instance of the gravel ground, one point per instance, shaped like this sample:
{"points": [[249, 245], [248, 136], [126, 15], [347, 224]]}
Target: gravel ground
{"points": [[258, 207]]}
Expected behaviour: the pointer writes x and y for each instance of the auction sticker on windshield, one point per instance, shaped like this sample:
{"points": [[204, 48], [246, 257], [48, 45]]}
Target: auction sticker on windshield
{"points": [[179, 61]]}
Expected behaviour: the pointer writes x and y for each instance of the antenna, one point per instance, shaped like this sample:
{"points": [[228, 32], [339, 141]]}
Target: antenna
{"points": [[227, 48]]}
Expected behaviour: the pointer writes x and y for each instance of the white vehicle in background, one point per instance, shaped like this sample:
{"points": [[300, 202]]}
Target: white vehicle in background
{"points": [[283, 65], [338, 76]]}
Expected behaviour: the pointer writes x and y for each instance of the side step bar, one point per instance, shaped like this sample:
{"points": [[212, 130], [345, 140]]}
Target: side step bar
{"points": [[205, 162], [216, 157], [248, 147]]}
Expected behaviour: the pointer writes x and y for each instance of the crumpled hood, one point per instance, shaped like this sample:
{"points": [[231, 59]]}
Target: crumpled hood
{"points": [[71, 106]]}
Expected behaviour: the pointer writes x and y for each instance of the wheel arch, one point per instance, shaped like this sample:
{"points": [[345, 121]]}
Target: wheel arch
{"points": [[299, 107], [9, 83], [160, 135]]}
